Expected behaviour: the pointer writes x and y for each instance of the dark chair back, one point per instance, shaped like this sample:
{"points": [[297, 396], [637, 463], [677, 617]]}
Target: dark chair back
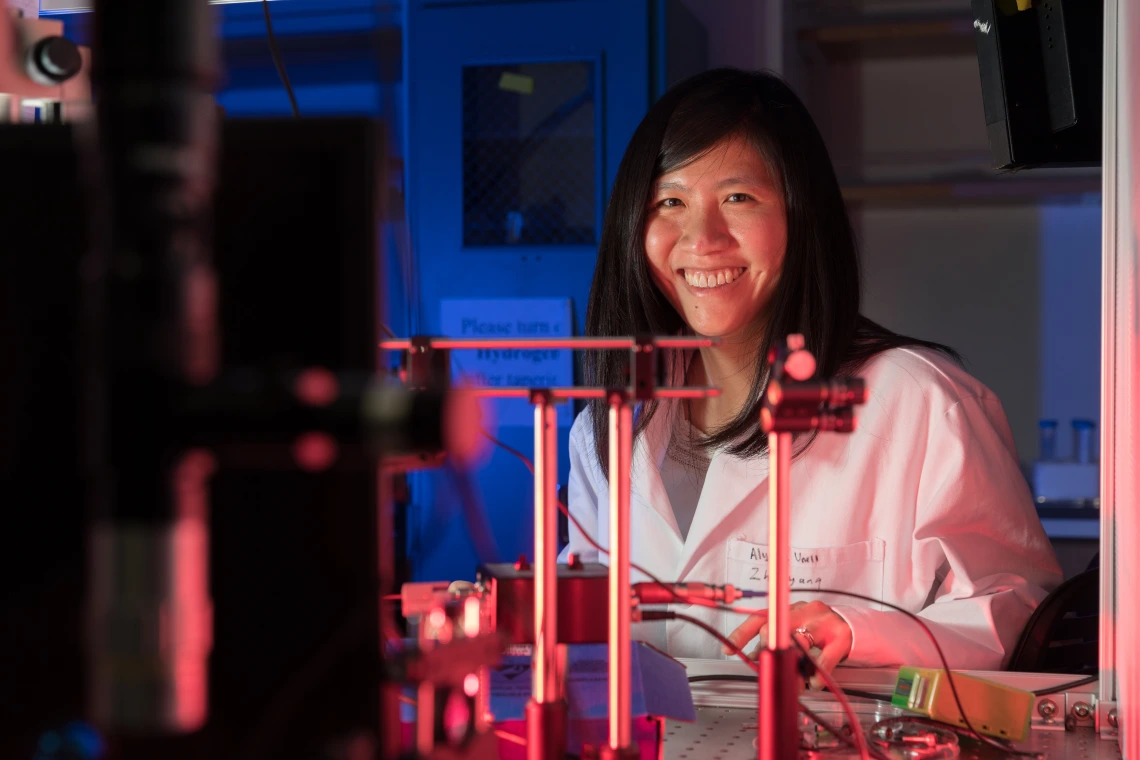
{"points": [[1063, 635]]}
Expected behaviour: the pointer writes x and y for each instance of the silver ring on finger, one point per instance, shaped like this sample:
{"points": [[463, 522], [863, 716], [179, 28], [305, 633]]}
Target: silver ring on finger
{"points": [[807, 635]]}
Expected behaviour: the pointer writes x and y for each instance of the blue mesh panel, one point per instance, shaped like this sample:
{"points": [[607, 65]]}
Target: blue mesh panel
{"points": [[529, 154]]}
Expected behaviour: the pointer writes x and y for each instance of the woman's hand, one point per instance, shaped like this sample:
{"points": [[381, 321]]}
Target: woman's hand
{"points": [[830, 632]]}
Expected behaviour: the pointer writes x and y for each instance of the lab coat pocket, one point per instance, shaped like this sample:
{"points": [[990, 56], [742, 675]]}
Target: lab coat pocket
{"points": [[854, 568]]}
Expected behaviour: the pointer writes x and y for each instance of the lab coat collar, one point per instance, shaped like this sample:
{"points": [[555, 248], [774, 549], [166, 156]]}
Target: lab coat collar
{"points": [[731, 484], [646, 486]]}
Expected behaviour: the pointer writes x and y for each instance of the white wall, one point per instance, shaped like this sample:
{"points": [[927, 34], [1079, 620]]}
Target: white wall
{"points": [[1015, 288], [1070, 315], [966, 277]]}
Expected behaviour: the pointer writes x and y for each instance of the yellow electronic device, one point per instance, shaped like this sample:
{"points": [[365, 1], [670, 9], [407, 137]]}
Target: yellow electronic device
{"points": [[993, 709]]}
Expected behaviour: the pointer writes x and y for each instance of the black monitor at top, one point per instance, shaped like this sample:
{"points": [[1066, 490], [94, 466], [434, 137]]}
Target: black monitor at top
{"points": [[1041, 70]]}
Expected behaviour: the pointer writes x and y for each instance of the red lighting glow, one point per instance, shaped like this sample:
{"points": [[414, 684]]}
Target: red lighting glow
{"points": [[317, 386], [315, 452]]}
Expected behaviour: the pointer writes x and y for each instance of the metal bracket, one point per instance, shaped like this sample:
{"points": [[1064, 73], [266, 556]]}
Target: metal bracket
{"points": [[1049, 713], [644, 368], [1080, 709], [1107, 722], [1069, 711], [428, 367], [541, 396]]}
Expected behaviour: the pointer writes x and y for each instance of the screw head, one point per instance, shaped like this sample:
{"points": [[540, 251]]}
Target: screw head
{"points": [[1081, 710], [1047, 708], [1112, 719]]}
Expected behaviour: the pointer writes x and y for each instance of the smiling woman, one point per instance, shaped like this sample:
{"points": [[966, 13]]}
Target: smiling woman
{"points": [[726, 220], [729, 172], [715, 239]]}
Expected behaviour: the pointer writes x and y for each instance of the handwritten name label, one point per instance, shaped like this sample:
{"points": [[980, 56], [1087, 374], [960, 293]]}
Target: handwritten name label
{"points": [[761, 574], [803, 558], [857, 568]]}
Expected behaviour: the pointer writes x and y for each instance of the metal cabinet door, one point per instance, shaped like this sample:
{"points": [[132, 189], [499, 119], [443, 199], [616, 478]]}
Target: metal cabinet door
{"points": [[518, 115]]}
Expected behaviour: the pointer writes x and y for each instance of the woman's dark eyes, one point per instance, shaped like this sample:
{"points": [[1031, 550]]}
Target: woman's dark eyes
{"points": [[676, 202]]}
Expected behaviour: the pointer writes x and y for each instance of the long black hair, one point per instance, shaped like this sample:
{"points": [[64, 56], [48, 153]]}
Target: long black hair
{"points": [[818, 292]]}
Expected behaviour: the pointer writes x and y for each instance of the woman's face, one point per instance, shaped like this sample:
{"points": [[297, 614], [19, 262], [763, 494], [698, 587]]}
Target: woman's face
{"points": [[715, 236]]}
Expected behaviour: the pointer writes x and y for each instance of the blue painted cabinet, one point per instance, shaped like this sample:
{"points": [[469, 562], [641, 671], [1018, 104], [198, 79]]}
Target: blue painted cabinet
{"points": [[517, 117]]}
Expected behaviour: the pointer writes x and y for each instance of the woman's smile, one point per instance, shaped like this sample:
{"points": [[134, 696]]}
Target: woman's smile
{"points": [[709, 281]]}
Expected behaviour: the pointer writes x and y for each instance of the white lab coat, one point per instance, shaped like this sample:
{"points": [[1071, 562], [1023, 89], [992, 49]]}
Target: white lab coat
{"points": [[923, 506]]}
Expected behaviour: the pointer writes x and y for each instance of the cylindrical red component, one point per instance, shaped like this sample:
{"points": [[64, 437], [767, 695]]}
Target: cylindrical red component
{"points": [[546, 729], [776, 735], [621, 447], [545, 686]]}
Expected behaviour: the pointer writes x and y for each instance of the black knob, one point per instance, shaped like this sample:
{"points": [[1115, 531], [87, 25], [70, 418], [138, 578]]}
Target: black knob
{"points": [[55, 59]]}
